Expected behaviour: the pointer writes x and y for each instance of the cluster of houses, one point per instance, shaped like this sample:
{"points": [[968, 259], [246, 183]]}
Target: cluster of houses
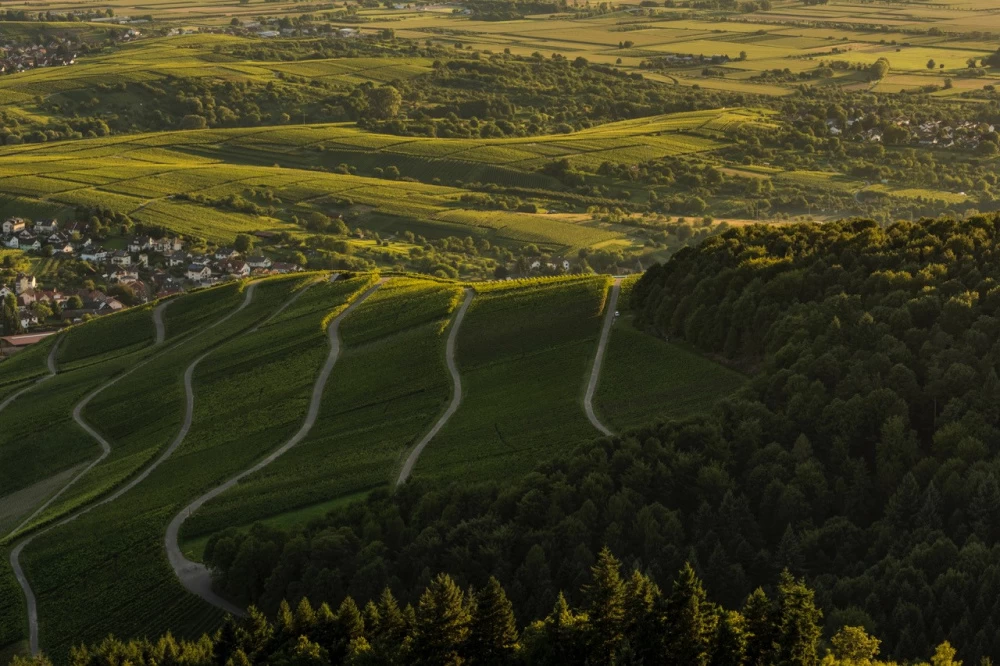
{"points": [[226, 263], [683, 60], [19, 58], [271, 28], [92, 302], [967, 135], [150, 267]]}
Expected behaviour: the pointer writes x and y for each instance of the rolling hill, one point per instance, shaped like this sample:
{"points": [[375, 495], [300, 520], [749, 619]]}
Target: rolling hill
{"points": [[206, 387]]}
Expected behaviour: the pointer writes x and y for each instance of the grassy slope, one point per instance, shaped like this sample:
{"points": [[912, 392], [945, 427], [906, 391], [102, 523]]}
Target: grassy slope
{"points": [[523, 353], [389, 385], [645, 378], [250, 396]]}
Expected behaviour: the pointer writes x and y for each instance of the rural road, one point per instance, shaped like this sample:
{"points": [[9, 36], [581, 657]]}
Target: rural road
{"points": [[194, 576], [15, 554], [595, 373], [456, 398], [50, 362]]}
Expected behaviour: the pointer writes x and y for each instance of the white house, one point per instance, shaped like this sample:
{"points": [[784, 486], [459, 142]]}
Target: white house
{"points": [[46, 226], [120, 258], [198, 272], [94, 256], [258, 262], [13, 225], [12, 243]]}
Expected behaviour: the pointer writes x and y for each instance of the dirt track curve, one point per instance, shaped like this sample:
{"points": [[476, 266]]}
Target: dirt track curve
{"points": [[602, 346], [456, 397], [50, 363], [15, 555], [194, 576]]}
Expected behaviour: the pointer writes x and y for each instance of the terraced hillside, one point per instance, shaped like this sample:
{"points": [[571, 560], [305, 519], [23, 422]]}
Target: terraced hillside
{"points": [[224, 377]]}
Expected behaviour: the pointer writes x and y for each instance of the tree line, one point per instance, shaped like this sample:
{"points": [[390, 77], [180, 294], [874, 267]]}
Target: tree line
{"points": [[623, 619]]}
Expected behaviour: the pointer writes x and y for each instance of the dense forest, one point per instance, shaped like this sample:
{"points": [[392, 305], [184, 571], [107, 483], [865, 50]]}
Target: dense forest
{"points": [[622, 619], [860, 457]]}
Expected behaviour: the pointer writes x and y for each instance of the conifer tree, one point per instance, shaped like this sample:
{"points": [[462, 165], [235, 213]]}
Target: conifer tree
{"points": [[305, 618], [566, 634], [690, 621], [256, 633], [758, 616], [442, 624], [284, 622], [730, 645], [643, 626], [605, 606], [494, 636], [798, 622]]}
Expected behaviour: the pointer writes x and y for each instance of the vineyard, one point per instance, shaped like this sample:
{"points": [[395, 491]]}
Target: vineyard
{"points": [[385, 391], [523, 351]]}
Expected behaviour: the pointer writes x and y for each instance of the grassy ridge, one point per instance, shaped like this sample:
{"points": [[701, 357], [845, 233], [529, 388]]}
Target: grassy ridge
{"points": [[387, 388], [250, 396], [523, 351]]}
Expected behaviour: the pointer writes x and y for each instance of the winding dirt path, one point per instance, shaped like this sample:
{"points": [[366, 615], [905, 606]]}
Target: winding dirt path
{"points": [[595, 373], [456, 397], [50, 363], [15, 554], [161, 328], [194, 576], [78, 417]]}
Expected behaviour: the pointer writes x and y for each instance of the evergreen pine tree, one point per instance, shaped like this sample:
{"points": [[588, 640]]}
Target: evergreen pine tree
{"points": [[566, 634], [730, 645], [758, 616], [690, 621], [305, 618], [798, 622], [493, 637], [442, 624], [284, 622], [643, 627], [605, 606]]}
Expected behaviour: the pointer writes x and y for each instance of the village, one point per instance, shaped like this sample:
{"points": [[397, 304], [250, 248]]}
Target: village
{"points": [[144, 269]]}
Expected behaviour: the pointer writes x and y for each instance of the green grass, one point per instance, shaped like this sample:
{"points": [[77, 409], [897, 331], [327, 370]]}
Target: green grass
{"points": [[645, 378], [386, 390], [524, 352]]}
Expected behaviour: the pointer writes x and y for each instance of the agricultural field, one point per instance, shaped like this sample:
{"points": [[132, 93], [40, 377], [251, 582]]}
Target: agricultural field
{"points": [[280, 362], [385, 392], [524, 352], [147, 181]]}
